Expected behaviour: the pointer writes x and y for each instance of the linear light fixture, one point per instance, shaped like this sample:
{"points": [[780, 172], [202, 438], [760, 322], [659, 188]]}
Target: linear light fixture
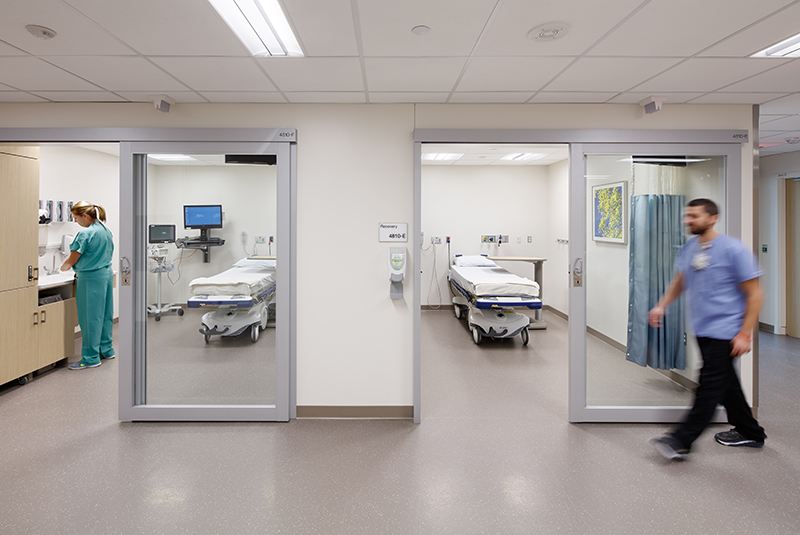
{"points": [[665, 159], [440, 156], [170, 157], [790, 48], [523, 156], [260, 25]]}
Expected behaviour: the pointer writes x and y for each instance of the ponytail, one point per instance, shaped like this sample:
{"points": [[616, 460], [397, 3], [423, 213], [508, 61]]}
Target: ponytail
{"points": [[94, 210]]}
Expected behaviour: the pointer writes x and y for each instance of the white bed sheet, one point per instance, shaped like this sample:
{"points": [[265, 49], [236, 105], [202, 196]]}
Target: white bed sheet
{"points": [[493, 281], [235, 281]]}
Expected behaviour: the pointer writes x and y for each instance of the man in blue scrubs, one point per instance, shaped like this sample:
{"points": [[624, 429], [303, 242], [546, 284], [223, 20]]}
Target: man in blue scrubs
{"points": [[91, 255], [725, 297]]}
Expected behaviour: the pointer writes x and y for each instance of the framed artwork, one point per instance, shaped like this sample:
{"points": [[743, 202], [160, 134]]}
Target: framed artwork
{"points": [[608, 207]]}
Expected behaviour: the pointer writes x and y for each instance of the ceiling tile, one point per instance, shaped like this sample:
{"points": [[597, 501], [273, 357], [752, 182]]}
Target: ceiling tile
{"points": [[119, 73], [455, 26], [774, 29], [609, 74], [784, 78], [340, 98], [377, 97], [736, 98], [314, 74], [217, 74], [682, 27], [8, 50], [186, 97], [707, 74], [787, 123], [490, 97], [324, 28], [76, 34], [79, 96], [671, 98], [237, 96], [787, 104], [510, 74], [572, 96], [507, 34], [19, 96], [31, 73], [412, 74], [173, 28]]}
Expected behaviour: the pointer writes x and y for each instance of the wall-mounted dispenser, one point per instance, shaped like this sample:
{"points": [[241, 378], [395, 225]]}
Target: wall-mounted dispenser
{"points": [[61, 212], [397, 271], [70, 217]]}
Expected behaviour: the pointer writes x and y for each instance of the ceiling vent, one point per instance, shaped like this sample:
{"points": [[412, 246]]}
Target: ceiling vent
{"points": [[549, 31]]}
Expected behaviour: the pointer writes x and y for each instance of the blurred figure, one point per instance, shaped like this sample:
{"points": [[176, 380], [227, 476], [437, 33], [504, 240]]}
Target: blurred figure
{"points": [[720, 277]]}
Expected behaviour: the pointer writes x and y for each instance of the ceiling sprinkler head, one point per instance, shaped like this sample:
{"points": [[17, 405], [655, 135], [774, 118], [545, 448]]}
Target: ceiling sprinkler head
{"points": [[549, 32], [40, 32], [420, 30]]}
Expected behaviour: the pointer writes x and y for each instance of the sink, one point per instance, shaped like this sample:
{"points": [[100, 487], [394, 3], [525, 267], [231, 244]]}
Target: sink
{"points": [[57, 279]]}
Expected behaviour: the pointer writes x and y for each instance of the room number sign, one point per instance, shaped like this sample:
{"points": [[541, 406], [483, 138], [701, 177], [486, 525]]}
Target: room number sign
{"points": [[392, 232]]}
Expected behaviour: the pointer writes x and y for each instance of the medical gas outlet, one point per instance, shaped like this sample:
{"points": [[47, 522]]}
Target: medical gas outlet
{"points": [[397, 271]]}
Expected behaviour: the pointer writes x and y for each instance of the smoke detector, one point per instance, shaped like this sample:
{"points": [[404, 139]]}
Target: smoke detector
{"points": [[549, 31], [40, 32]]}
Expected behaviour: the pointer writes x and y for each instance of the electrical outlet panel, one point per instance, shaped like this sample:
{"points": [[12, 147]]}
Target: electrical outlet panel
{"points": [[503, 238], [436, 239], [489, 238], [261, 239], [530, 239]]}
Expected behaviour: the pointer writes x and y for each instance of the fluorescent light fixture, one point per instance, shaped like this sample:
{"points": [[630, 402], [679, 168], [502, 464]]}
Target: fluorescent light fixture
{"points": [[666, 159], [439, 156], [171, 157], [260, 25], [523, 156], [790, 48]]}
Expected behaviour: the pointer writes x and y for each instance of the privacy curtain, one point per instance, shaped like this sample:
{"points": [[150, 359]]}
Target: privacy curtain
{"points": [[655, 238]]}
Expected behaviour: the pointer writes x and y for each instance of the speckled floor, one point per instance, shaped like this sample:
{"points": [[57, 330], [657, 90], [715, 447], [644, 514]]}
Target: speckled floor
{"points": [[494, 454]]}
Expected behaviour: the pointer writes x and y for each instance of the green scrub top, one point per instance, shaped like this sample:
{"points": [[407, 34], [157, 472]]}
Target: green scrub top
{"points": [[96, 245]]}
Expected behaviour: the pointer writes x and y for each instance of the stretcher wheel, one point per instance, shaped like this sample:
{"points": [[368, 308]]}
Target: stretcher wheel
{"points": [[158, 317], [23, 380], [457, 310], [254, 330], [476, 335], [525, 336], [180, 312], [207, 337]]}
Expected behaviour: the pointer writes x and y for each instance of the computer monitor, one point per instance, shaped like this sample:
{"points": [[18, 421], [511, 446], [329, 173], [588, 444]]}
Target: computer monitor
{"points": [[202, 217], [161, 233]]}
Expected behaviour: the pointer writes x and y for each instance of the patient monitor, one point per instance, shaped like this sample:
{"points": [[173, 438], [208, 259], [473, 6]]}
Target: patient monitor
{"points": [[397, 271]]}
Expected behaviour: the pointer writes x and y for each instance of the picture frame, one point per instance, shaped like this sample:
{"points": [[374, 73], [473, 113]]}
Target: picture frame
{"points": [[609, 214]]}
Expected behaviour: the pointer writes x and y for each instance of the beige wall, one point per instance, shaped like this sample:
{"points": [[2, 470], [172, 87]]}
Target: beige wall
{"points": [[355, 170]]}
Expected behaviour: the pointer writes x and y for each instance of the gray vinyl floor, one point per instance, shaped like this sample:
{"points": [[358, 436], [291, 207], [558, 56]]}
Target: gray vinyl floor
{"points": [[494, 454]]}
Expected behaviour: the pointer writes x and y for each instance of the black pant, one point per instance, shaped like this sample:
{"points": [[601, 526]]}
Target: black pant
{"points": [[719, 384]]}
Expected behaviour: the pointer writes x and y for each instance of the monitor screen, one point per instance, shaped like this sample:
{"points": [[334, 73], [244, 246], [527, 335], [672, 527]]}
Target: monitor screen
{"points": [[202, 216], [161, 233]]}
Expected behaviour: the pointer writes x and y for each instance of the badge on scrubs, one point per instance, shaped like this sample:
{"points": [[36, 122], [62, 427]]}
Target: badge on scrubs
{"points": [[702, 259]]}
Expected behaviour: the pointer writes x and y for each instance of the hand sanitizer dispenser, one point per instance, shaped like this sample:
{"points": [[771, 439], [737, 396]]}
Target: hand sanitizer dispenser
{"points": [[397, 271]]}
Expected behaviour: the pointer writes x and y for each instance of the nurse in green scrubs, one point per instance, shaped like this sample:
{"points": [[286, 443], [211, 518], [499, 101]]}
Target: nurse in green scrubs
{"points": [[91, 259]]}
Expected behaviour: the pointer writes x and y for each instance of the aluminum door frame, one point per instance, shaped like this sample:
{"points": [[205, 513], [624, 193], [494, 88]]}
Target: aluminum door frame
{"points": [[133, 302], [732, 191]]}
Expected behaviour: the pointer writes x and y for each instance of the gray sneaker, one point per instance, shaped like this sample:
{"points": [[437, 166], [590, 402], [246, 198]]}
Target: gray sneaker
{"points": [[735, 438], [82, 365], [670, 448]]}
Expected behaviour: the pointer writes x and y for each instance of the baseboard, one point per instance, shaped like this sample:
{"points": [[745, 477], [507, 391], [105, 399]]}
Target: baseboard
{"points": [[448, 306], [685, 382], [557, 312], [766, 327], [382, 412], [610, 341]]}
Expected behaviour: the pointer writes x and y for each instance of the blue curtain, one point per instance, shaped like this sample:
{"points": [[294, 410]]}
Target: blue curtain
{"points": [[655, 238]]}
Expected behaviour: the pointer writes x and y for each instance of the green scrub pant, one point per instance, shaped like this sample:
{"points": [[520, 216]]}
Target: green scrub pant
{"points": [[95, 300]]}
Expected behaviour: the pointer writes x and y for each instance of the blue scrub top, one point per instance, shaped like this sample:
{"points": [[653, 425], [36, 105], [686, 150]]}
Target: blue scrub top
{"points": [[96, 246], [716, 301]]}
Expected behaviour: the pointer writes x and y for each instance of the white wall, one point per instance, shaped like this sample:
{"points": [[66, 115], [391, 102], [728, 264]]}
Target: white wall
{"points": [[557, 270], [355, 170], [466, 202], [77, 174], [248, 198]]}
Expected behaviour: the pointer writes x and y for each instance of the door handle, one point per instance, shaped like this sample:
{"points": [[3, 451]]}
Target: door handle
{"points": [[44, 316], [36, 318], [577, 273]]}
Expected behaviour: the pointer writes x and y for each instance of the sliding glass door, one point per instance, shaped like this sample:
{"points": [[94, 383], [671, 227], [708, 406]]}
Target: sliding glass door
{"points": [[627, 204]]}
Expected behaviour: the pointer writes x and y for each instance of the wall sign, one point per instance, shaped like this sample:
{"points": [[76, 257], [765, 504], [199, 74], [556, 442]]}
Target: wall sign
{"points": [[390, 232]]}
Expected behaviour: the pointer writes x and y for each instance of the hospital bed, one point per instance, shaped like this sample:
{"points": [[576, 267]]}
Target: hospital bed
{"points": [[244, 297], [487, 294]]}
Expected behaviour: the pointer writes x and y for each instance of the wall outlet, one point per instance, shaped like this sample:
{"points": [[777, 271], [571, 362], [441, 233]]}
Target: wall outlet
{"points": [[489, 238], [436, 239], [261, 239], [503, 238], [530, 239]]}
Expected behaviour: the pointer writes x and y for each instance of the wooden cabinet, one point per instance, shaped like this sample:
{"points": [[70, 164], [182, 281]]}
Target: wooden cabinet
{"points": [[18, 333], [56, 336], [19, 221]]}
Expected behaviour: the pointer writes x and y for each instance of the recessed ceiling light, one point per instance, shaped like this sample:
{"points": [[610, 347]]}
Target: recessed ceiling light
{"points": [[260, 25], [40, 32], [420, 30], [441, 156], [790, 48], [170, 157], [549, 31], [523, 156]]}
